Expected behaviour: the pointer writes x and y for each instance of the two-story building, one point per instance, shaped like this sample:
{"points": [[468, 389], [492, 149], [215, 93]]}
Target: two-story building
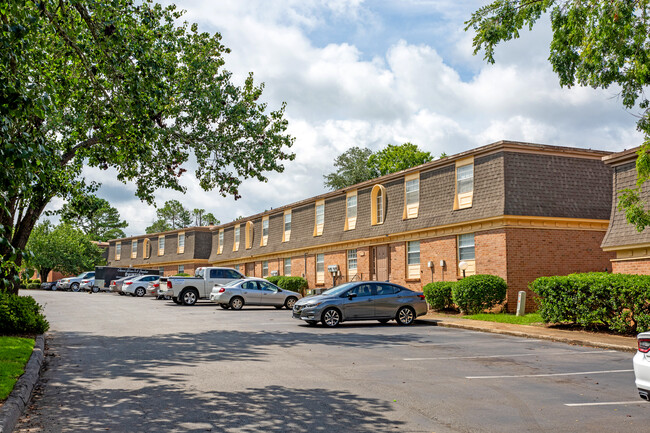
{"points": [[171, 252], [631, 247], [517, 210]]}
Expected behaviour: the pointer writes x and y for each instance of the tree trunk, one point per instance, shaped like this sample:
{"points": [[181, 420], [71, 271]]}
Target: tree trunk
{"points": [[21, 231]]}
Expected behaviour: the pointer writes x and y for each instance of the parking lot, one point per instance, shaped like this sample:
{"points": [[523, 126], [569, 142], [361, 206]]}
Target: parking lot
{"points": [[140, 365]]}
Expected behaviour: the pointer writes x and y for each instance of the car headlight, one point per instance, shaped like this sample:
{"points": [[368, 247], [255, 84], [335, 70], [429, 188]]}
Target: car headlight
{"points": [[313, 305]]}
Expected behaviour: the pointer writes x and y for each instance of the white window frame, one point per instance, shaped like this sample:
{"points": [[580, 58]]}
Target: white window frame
{"points": [[287, 260], [320, 263], [286, 220], [181, 244], [351, 210], [413, 260], [161, 245], [352, 263], [134, 250]]}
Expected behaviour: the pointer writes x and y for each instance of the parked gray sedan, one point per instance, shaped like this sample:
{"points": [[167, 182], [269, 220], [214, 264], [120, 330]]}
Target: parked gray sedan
{"points": [[252, 291], [363, 300]]}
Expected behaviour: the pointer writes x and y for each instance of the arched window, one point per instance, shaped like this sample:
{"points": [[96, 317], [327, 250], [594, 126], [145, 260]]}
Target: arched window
{"points": [[377, 205], [146, 248]]}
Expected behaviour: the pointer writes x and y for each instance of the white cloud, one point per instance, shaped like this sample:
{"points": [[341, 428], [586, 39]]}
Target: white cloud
{"points": [[434, 93]]}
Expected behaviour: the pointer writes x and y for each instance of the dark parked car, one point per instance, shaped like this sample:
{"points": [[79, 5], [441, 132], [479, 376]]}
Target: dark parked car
{"points": [[363, 300]]}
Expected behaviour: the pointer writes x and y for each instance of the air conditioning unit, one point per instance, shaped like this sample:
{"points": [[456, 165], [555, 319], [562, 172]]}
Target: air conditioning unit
{"points": [[274, 273]]}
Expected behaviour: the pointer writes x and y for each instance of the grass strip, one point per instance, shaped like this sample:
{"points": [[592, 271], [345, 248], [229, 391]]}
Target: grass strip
{"points": [[528, 319], [14, 354]]}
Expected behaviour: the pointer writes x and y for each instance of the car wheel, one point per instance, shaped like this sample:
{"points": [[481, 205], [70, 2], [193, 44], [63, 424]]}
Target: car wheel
{"points": [[95, 289], [405, 316], [224, 306], [176, 301], [54, 288], [311, 322], [331, 317], [383, 321], [236, 303], [278, 307], [167, 298], [189, 297], [74, 287], [140, 292], [290, 302]]}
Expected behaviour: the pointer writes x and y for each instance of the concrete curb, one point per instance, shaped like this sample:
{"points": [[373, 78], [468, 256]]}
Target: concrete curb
{"points": [[15, 405], [539, 336]]}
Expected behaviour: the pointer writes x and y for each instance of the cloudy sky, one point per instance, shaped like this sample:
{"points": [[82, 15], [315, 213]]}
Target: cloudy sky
{"points": [[370, 73]]}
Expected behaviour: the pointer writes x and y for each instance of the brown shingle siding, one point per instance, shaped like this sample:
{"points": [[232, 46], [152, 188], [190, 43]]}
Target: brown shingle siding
{"points": [[621, 232], [556, 186], [198, 245], [437, 189]]}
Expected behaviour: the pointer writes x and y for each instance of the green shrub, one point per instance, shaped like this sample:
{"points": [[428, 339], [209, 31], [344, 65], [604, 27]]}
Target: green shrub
{"points": [[477, 293], [182, 274], [33, 286], [273, 279], [438, 294], [618, 301], [294, 284], [21, 315], [35, 281]]}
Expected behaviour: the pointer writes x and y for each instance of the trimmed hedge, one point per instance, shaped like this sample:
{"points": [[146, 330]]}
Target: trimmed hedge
{"points": [[33, 286], [21, 315], [477, 293], [618, 301], [294, 284], [439, 295]]}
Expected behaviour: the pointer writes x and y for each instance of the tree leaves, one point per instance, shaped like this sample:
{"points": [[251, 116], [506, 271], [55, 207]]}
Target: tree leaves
{"points": [[595, 43], [121, 84]]}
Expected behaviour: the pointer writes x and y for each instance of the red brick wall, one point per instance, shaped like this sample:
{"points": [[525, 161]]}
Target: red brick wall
{"points": [[490, 251], [533, 253], [435, 250], [639, 267]]}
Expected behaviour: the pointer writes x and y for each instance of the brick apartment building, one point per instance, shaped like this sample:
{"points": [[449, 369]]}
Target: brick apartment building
{"points": [[631, 247], [517, 210], [170, 252]]}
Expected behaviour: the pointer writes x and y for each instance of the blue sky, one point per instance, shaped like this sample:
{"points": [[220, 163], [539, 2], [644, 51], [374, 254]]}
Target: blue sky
{"points": [[369, 73]]}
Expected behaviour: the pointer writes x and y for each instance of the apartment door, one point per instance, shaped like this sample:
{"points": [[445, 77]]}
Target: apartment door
{"points": [[250, 269], [380, 262]]}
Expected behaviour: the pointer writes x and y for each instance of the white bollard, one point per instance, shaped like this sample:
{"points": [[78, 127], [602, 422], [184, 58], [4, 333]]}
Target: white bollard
{"points": [[521, 303]]}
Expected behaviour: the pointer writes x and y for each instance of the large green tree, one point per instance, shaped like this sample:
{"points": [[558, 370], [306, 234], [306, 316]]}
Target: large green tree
{"points": [[119, 84], [594, 43], [94, 216], [171, 216], [392, 159], [203, 218], [358, 164], [351, 167], [61, 248]]}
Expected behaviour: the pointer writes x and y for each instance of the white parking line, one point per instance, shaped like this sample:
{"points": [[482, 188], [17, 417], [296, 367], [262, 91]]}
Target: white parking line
{"points": [[607, 403], [518, 355], [579, 373]]}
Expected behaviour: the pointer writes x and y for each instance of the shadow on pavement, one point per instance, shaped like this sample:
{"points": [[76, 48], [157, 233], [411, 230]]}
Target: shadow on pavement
{"points": [[101, 383]]}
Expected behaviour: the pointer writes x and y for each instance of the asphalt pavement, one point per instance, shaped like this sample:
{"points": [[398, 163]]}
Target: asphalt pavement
{"points": [[128, 364]]}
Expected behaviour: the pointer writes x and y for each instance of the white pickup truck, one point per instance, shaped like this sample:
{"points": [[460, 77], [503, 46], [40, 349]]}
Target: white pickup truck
{"points": [[188, 290]]}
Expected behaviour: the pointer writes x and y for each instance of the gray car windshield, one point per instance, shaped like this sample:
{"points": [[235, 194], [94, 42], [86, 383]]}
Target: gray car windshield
{"points": [[338, 290]]}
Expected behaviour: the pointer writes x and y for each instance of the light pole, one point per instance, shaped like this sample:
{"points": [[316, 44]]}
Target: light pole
{"points": [[463, 266]]}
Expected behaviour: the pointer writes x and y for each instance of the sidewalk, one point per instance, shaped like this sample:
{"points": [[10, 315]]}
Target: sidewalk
{"points": [[579, 338]]}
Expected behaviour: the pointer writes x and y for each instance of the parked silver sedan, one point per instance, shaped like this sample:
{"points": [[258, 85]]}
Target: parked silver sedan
{"points": [[363, 300], [252, 291]]}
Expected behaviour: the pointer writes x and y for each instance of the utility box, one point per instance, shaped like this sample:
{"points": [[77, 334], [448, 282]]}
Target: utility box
{"points": [[521, 303]]}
